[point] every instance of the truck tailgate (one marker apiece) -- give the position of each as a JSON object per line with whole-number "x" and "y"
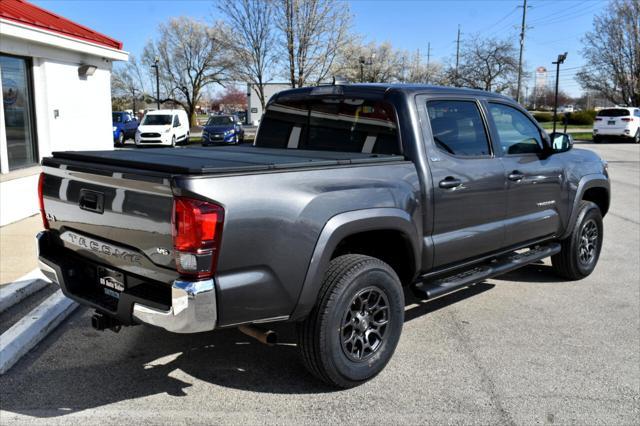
{"x": 119, "y": 220}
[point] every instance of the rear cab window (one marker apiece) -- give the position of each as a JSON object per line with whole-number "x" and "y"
{"x": 331, "y": 124}
{"x": 614, "y": 112}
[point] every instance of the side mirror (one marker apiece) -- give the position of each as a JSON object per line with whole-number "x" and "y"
{"x": 560, "y": 142}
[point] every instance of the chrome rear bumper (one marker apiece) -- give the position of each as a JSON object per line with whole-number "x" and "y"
{"x": 193, "y": 303}
{"x": 193, "y": 308}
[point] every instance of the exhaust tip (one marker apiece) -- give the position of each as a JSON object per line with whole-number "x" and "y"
{"x": 271, "y": 337}
{"x": 268, "y": 337}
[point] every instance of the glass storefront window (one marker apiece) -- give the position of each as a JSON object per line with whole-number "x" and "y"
{"x": 18, "y": 112}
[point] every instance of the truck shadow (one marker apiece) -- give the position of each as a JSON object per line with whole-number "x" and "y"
{"x": 77, "y": 368}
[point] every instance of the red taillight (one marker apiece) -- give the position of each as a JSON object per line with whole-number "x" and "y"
{"x": 627, "y": 119}
{"x": 45, "y": 221}
{"x": 598, "y": 119}
{"x": 197, "y": 228}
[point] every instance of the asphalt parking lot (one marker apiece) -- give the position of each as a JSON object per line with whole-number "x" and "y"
{"x": 522, "y": 349}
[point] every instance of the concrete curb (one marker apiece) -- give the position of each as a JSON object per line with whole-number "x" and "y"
{"x": 31, "y": 329}
{"x": 21, "y": 288}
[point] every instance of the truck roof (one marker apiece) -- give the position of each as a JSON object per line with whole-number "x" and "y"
{"x": 381, "y": 89}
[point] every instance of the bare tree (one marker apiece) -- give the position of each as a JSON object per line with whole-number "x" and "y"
{"x": 488, "y": 64}
{"x": 190, "y": 56}
{"x": 253, "y": 41}
{"x": 128, "y": 80}
{"x": 612, "y": 51}
{"x": 422, "y": 72}
{"x": 312, "y": 32}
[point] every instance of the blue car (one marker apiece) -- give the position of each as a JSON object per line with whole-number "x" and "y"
{"x": 222, "y": 129}
{"x": 124, "y": 127}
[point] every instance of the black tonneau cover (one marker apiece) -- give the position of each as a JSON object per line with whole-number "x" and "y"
{"x": 224, "y": 159}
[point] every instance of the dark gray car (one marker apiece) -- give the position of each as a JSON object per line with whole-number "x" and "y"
{"x": 349, "y": 194}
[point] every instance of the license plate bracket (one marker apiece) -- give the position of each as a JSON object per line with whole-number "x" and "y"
{"x": 113, "y": 282}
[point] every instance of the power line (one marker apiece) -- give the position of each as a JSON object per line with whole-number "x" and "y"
{"x": 564, "y": 13}
{"x": 568, "y": 17}
{"x": 492, "y": 26}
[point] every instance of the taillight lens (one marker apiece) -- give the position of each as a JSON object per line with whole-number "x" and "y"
{"x": 45, "y": 221}
{"x": 598, "y": 119}
{"x": 627, "y": 119}
{"x": 197, "y": 231}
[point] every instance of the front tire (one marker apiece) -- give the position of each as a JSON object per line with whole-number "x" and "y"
{"x": 354, "y": 328}
{"x": 173, "y": 141}
{"x": 636, "y": 138}
{"x": 581, "y": 249}
{"x": 120, "y": 139}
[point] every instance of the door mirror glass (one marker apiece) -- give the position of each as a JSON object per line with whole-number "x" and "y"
{"x": 561, "y": 142}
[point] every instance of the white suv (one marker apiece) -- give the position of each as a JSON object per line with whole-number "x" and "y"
{"x": 163, "y": 127}
{"x": 617, "y": 122}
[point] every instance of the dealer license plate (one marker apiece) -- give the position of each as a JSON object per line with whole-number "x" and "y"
{"x": 112, "y": 281}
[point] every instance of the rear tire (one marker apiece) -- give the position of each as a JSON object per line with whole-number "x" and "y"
{"x": 354, "y": 328}
{"x": 581, "y": 249}
{"x": 597, "y": 139}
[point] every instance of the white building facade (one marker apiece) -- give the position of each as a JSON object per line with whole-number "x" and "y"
{"x": 56, "y": 96}
{"x": 254, "y": 107}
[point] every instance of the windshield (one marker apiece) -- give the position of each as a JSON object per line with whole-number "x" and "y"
{"x": 157, "y": 120}
{"x": 116, "y": 117}
{"x": 219, "y": 120}
{"x": 613, "y": 112}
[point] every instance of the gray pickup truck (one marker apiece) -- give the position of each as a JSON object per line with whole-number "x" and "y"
{"x": 349, "y": 194}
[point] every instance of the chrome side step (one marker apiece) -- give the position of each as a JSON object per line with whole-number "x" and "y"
{"x": 432, "y": 288}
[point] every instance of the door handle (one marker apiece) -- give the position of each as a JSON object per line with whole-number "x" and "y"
{"x": 515, "y": 176}
{"x": 449, "y": 183}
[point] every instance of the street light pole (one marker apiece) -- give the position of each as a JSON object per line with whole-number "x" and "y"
{"x": 155, "y": 65}
{"x": 365, "y": 61}
{"x": 135, "y": 113}
{"x": 561, "y": 59}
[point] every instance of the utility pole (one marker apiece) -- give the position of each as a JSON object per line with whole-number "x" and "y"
{"x": 561, "y": 59}
{"x": 522, "y": 31}
{"x": 428, "y": 62}
{"x": 457, "y": 56}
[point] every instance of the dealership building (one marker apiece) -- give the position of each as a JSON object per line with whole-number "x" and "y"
{"x": 56, "y": 96}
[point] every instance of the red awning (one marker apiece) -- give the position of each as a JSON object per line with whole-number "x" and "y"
{"x": 34, "y": 16}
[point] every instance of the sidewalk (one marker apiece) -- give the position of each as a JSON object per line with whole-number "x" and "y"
{"x": 18, "y": 248}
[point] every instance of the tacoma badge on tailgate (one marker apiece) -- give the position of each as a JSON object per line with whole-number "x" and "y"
{"x": 101, "y": 247}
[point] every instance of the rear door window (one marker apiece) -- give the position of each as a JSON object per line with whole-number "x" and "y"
{"x": 457, "y": 128}
{"x": 330, "y": 124}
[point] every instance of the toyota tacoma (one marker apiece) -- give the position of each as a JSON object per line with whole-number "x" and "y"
{"x": 349, "y": 195}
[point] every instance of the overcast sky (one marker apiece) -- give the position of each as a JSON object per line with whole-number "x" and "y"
{"x": 555, "y": 26}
